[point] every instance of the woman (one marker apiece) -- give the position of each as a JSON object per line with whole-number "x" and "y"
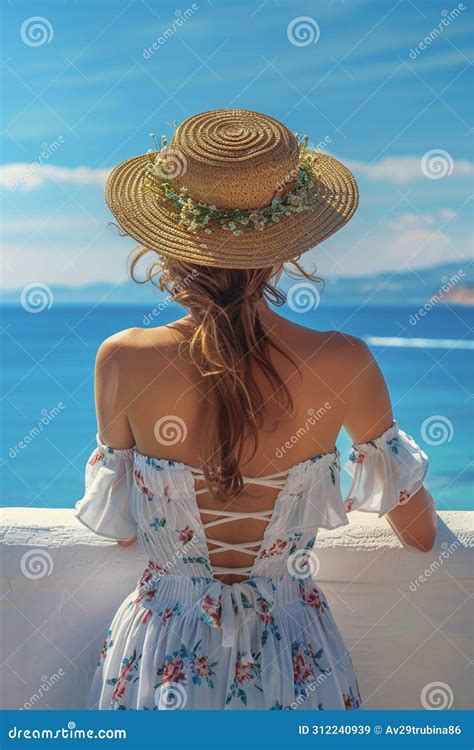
{"x": 217, "y": 433}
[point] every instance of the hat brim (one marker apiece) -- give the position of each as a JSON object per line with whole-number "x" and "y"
{"x": 154, "y": 223}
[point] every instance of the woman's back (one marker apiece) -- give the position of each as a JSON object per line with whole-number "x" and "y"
{"x": 151, "y": 395}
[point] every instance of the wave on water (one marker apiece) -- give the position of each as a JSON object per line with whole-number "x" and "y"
{"x": 398, "y": 341}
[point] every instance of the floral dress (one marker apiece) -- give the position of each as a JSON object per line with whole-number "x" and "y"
{"x": 185, "y": 640}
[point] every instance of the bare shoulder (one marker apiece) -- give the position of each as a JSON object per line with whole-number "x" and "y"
{"x": 347, "y": 351}
{"x": 346, "y": 365}
{"x": 332, "y": 348}
{"x": 128, "y": 347}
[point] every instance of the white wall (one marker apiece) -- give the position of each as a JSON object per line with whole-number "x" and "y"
{"x": 404, "y": 614}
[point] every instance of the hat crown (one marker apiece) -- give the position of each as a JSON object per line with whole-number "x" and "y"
{"x": 235, "y": 158}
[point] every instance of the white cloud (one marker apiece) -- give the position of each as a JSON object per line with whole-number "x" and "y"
{"x": 411, "y": 220}
{"x": 360, "y": 251}
{"x": 30, "y": 176}
{"x": 403, "y": 169}
{"x": 447, "y": 214}
{"x": 49, "y": 224}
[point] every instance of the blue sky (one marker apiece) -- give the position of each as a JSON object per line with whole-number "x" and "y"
{"x": 352, "y": 75}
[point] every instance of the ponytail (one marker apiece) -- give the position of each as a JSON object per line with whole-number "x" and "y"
{"x": 228, "y": 345}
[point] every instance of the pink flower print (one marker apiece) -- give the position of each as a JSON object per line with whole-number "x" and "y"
{"x": 312, "y": 598}
{"x": 349, "y": 703}
{"x": 124, "y": 676}
{"x": 360, "y": 458}
{"x": 212, "y": 609}
{"x": 145, "y": 595}
{"x": 119, "y": 691}
{"x": 95, "y": 458}
{"x": 155, "y": 568}
{"x": 107, "y": 644}
{"x": 138, "y": 477}
{"x": 147, "y": 584}
{"x": 404, "y": 496}
{"x": 146, "y": 617}
{"x": 277, "y": 548}
{"x": 350, "y": 502}
{"x": 244, "y": 671}
{"x": 352, "y": 700}
{"x": 146, "y": 577}
{"x": 263, "y": 611}
{"x": 167, "y": 493}
{"x": 167, "y": 615}
{"x": 185, "y": 535}
{"x": 201, "y": 666}
{"x": 173, "y": 671}
{"x": 302, "y": 672}
{"x": 296, "y": 494}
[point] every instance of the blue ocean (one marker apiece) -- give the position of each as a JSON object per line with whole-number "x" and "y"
{"x": 48, "y": 421}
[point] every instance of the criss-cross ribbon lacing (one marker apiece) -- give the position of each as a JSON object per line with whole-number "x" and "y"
{"x": 278, "y": 481}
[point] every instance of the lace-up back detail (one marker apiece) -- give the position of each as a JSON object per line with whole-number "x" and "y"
{"x": 130, "y": 494}
{"x": 278, "y": 481}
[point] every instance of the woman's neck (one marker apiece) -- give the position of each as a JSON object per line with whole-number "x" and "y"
{"x": 268, "y": 318}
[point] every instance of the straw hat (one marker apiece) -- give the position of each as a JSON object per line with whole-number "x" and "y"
{"x": 234, "y": 189}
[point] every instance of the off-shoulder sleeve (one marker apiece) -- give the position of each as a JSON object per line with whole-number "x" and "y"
{"x": 105, "y": 506}
{"x": 385, "y": 472}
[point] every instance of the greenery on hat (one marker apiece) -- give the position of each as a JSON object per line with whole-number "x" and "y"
{"x": 199, "y": 215}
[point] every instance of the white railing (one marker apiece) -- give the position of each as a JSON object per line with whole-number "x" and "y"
{"x": 404, "y": 614}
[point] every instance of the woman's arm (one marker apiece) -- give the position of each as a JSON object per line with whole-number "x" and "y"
{"x": 415, "y": 522}
{"x": 110, "y": 392}
{"x": 369, "y": 415}
{"x": 110, "y": 399}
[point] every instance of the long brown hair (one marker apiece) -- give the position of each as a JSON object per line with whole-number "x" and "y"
{"x": 227, "y": 344}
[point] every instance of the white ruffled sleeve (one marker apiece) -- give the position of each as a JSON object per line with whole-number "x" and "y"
{"x": 385, "y": 472}
{"x": 105, "y": 506}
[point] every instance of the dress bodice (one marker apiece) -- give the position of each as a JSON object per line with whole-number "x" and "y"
{"x": 130, "y": 494}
